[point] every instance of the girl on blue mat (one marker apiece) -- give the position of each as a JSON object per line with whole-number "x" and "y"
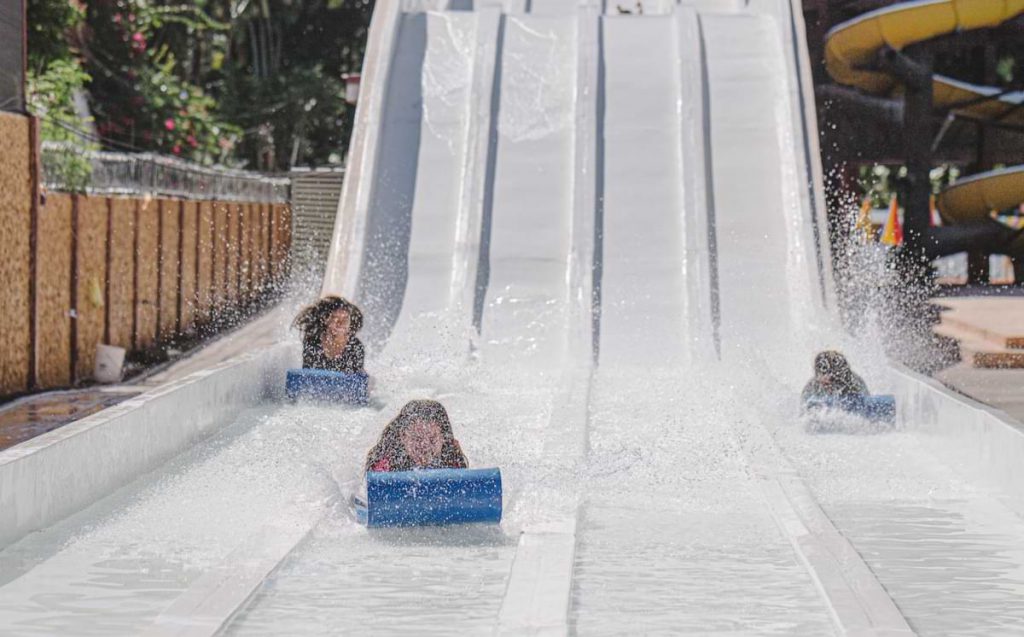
{"x": 833, "y": 378}
{"x": 328, "y": 330}
{"x": 420, "y": 437}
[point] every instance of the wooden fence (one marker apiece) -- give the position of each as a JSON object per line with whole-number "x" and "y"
{"x": 132, "y": 272}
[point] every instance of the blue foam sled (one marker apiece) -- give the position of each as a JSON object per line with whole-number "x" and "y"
{"x": 320, "y": 384}
{"x": 876, "y": 408}
{"x": 431, "y": 497}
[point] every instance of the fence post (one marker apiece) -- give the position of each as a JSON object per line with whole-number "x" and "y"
{"x": 106, "y": 282}
{"x": 73, "y": 377}
{"x": 33, "y": 254}
{"x": 135, "y": 280}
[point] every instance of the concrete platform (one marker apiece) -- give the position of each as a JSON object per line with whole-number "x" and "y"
{"x": 31, "y": 416}
{"x": 988, "y": 330}
{"x": 269, "y": 328}
{"x": 999, "y": 388}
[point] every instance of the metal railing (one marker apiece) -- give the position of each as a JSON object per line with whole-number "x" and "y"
{"x": 70, "y": 169}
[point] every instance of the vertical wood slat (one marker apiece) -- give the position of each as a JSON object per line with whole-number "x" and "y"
{"x": 147, "y": 288}
{"x": 107, "y": 255}
{"x": 73, "y": 291}
{"x": 135, "y": 274}
{"x": 272, "y": 242}
{"x": 170, "y": 213}
{"x": 264, "y": 247}
{"x": 33, "y": 249}
{"x": 232, "y": 257}
{"x": 220, "y": 251}
{"x": 205, "y": 263}
{"x": 286, "y": 242}
{"x": 121, "y": 266}
{"x": 187, "y": 237}
{"x": 15, "y": 253}
{"x": 281, "y": 242}
{"x": 245, "y": 261}
{"x": 268, "y": 247}
{"x": 91, "y": 265}
{"x": 254, "y": 249}
{"x": 53, "y": 293}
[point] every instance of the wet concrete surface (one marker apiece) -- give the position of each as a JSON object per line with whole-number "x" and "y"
{"x": 36, "y": 415}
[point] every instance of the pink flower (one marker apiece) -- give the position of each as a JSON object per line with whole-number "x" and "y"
{"x": 191, "y": 139}
{"x": 176, "y": 150}
{"x": 138, "y": 37}
{"x": 169, "y": 124}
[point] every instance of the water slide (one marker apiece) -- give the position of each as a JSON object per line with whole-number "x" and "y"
{"x": 598, "y": 238}
{"x": 852, "y": 51}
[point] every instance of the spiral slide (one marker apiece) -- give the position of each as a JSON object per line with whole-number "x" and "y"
{"x": 598, "y": 239}
{"x": 851, "y": 54}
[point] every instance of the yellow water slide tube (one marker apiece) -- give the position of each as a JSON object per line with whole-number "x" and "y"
{"x": 973, "y": 198}
{"x": 851, "y": 54}
{"x": 851, "y": 51}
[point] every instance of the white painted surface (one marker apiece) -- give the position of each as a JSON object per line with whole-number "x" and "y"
{"x": 204, "y": 608}
{"x": 982, "y": 443}
{"x": 523, "y": 318}
{"x": 538, "y": 595}
{"x": 56, "y": 474}
{"x": 643, "y": 311}
{"x": 663, "y": 491}
{"x": 437, "y": 117}
{"x": 763, "y": 255}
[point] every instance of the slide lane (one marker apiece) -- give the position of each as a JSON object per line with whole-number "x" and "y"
{"x": 674, "y": 534}
{"x": 502, "y": 400}
{"x": 118, "y": 565}
{"x": 766, "y": 276}
{"x": 898, "y": 506}
{"x": 524, "y": 311}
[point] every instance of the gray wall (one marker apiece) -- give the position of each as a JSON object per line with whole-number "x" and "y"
{"x": 12, "y": 66}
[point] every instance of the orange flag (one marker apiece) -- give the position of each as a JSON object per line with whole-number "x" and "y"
{"x": 863, "y": 225}
{"x": 892, "y": 235}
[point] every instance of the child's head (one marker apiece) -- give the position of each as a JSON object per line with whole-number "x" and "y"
{"x": 331, "y": 321}
{"x": 830, "y": 365}
{"x": 419, "y": 437}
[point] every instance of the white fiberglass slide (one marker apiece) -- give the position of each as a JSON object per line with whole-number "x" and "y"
{"x": 596, "y": 239}
{"x": 669, "y": 540}
{"x": 501, "y": 398}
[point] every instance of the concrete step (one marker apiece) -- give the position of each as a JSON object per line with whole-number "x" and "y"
{"x": 980, "y": 352}
{"x": 997, "y": 320}
{"x": 994, "y": 335}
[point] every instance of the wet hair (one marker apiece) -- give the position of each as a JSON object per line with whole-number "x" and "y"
{"x": 390, "y": 444}
{"x": 312, "y": 320}
{"x": 833, "y": 364}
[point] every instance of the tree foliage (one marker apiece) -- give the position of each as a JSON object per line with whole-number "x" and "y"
{"x": 255, "y": 83}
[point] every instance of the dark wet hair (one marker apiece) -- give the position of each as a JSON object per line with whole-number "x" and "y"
{"x": 831, "y": 363}
{"x": 390, "y": 443}
{"x": 312, "y": 320}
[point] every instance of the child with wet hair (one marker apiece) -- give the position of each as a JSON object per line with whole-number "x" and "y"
{"x": 833, "y": 377}
{"x": 420, "y": 437}
{"x": 328, "y": 330}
